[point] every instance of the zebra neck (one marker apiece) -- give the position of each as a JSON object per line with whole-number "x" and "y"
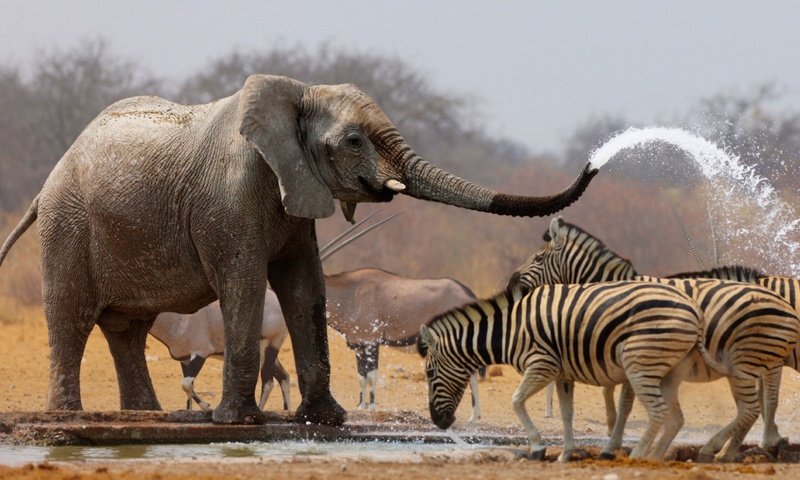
{"x": 477, "y": 333}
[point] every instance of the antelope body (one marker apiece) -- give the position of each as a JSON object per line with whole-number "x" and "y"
{"x": 373, "y": 307}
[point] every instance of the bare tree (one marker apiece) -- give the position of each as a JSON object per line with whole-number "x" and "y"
{"x": 15, "y": 120}
{"x": 41, "y": 117}
{"x": 73, "y": 86}
{"x": 748, "y": 125}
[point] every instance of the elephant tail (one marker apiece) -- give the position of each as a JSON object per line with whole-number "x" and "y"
{"x": 27, "y": 221}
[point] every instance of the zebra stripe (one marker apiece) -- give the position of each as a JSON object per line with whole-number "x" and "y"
{"x": 599, "y": 334}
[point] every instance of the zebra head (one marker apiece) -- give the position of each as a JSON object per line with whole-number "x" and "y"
{"x": 571, "y": 255}
{"x": 447, "y": 378}
{"x": 544, "y": 266}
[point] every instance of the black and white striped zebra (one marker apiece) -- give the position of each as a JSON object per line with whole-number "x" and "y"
{"x": 600, "y": 334}
{"x": 789, "y": 289}
{"x": 759, "y": 329}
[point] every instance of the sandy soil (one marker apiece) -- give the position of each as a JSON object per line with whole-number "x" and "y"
{"x": 707, "y": 407}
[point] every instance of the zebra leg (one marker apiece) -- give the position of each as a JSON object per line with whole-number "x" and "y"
{"x": 190, "y": 372}
{"x": 533, "y": 380}
{"x": 476, "y": 404}
{"x": 566, "y": 391}
{"x": 769, "y": 386}
{"x": 745, "y": 392}
{"x": 548, "y": 401}
{"x": 675, "y": 418}
{"x": 648, "y": 390}
{"x": 269, "y": 357}
{"x": 626, "y": 396}
{"x": 611, "y": 411}
{"x": 282, "y": 376}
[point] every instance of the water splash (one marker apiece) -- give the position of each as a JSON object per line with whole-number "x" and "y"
{"x": 757, "y": 227}
{"x": 455, "y": 438}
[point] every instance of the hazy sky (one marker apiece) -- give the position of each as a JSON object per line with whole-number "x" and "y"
{"x": 538, "y": 68}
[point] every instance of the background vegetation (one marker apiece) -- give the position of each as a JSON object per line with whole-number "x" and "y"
{"x": 640, "y": 208}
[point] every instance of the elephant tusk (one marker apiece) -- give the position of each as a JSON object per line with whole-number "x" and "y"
{"x": 394, "y": 185}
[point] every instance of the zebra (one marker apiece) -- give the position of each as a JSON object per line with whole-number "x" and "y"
{"x": 787, "y": 288}
{"x": 550, "y": 265}
{"x": 599, "y": 334}
{"x": 574, "y": 256}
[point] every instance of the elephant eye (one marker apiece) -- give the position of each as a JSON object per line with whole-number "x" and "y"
{"x": 354, "y": 141}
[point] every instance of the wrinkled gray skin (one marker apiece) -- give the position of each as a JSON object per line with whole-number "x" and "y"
{"x": 192, "y": 338}
{"x": 372, "y": 307}
{"x": 161, "y": 207}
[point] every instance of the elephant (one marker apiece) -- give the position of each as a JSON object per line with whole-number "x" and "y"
{"x": 161, "y": 207}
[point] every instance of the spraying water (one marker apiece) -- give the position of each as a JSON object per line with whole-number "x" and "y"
{"x": 757, "y": 227}
{"x": 455, "y": 438}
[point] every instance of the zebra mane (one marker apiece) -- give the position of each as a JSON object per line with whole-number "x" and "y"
{"x": 594, "y": 243}
{"x": 727, "y": 272}
{"x": 511, "y": 294}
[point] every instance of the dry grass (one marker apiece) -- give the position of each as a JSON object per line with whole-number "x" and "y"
{"x": 21, "y": 272}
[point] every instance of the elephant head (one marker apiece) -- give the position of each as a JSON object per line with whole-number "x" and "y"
{"x": 333, "y": 141}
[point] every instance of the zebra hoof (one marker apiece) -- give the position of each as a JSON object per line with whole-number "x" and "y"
{"x": 537, "y": 455}
{"x": 607, "y": 456}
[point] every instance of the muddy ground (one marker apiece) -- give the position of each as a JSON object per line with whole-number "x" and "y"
{"x": 707, "y": 407}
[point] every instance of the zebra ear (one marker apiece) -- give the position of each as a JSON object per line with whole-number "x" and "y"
{"x": 427, "y": 340}
{"x": 555, "y": 234}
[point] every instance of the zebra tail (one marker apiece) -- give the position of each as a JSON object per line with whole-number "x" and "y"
{"x": 712, "y": 362}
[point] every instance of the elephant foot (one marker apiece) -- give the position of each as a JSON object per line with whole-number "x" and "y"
{"x": 321, "y": 411}
{"x": 239, "y": 412}
{"x": 140, "y": 402}
{"x": 68, "y": 403}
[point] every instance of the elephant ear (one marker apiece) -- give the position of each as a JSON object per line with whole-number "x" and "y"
{"x": 269, "y": 109}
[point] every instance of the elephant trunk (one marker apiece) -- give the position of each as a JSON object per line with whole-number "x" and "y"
{"x": 428, "y": 182}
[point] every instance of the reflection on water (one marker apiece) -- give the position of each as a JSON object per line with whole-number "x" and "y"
{"x": 20, "y": 455}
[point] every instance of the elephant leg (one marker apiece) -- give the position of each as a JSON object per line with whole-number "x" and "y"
{"x": 126, "y": 340}
{"x": 68, "y": 329}
{"x": 241, "y": 299}
{"x": 299, "y": 285}
{"x": 267, "y": 372}
{"x": 190, "y": 371}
